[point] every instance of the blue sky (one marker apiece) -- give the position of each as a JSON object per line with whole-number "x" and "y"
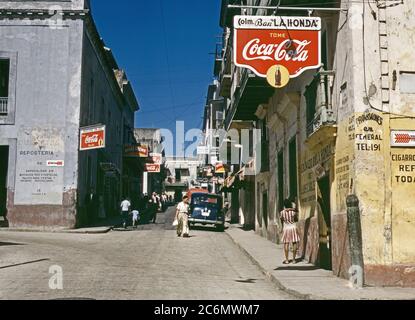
{"x": 164, "y": 46}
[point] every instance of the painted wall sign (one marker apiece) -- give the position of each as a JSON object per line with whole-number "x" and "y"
{"x": 277, "y": 48}
{"x": 92, "y": 138}
{"x": 403, "y": 139}
{"x": 153, "y": 168}
{"x": 37, "y": 183}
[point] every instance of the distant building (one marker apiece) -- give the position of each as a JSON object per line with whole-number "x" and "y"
{"x": 152, "y": 140}
{"x": 182, "y": 174}
{"x": 57, "y": 76}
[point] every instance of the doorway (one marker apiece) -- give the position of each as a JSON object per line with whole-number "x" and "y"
{"x": 265, "y": 209}
{"x": 4, "y": 161}
{"x": 325, "y": 257}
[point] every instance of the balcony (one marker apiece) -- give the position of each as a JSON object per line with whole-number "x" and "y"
{"x": 321, "y": 118}
{"x": 251, "y": 91}
{"x": 218, "y": 59}
{"x": 225, "y": 76}
{"x": 4, "y": 106}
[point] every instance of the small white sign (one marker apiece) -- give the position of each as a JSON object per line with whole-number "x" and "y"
{"x": 203, "y": 150}
{"x": 55, "y": 163}
{"x": 403, "y": 139}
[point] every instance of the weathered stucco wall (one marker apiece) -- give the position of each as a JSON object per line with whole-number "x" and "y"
{"x": 46, "y": 121}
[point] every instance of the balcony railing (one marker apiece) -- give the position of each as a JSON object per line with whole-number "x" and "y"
{"x": 324, "y": 117}
{"x": 319, "y": 101}
{"x": 4, "y": 106}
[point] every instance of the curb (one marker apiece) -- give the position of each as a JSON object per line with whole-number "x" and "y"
{"x": 74, "y": 231}
{"x": 272, "y": 278}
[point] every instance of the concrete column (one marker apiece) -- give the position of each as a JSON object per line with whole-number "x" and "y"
{"x": 355, "y": 239}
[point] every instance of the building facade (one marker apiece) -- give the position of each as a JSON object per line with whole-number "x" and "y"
{"x": 181, "y": 175}
{"x": 152, "y": 140}
{"x": 58, "y": 76}
{"x": 330, "y": 134}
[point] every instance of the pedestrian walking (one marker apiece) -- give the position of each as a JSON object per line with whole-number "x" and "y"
{"x": 182, "y": 216}
{"x": 153, "y": 208}
{"x": 136, "y": 218}
{"x": 125, "y": 211}
{"x": 291, "y": 236}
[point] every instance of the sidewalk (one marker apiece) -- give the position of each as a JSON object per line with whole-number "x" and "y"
{"x": 93, "y": 230}
{"x": 304, "y": 280}
{"x": 104, "y": 226}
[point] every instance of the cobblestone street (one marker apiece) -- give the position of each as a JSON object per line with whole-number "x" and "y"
{"x": 150, "y": 263}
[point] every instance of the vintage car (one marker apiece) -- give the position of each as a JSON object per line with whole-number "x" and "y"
{"x": 207, "y": 209}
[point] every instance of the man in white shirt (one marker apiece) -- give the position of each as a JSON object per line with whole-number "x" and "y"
{"x": 125, "y": 210}
{"x": 182, "y": 216}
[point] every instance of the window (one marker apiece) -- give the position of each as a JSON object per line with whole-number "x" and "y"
{"x": 8, "y": 78}
{"x": 264, "y": 146}
{"x": 178, "y": 175}
{"x": 251, "y": 143}
{"x": 311, "y": 100}
{"x": 324, "y": 58}
{"x": 4, "y": 85}
{"x": 407, "y": 82}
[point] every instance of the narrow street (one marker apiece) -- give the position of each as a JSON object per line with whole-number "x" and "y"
{"x": 150, "y": 263}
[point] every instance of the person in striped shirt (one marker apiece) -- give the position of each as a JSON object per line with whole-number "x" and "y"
{"x": 289, "y": 218}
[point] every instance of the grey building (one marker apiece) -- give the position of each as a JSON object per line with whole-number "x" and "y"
{"x": 56, "y": 76}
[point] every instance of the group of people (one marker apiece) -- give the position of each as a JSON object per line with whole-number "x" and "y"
{"x": 289, "y": 217}
{"x": 146, "y": 205}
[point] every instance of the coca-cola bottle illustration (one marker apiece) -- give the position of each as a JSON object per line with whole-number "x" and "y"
{"x": 278, "y": 77}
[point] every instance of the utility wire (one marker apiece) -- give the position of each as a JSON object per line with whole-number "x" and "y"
{"x": 167, "y": 56}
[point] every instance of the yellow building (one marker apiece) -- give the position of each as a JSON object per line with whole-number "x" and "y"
{"x": 331, "y": 133}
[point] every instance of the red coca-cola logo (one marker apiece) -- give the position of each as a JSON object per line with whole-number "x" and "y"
{"x": 261, "y": 48}
{"x": 91, "y": 139}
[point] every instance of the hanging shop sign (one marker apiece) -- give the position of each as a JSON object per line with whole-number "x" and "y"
{"x": 92, "y": 138}
{"x": 403, "y": 139}
{"x": 156, "y": 158}
{"x": 277, "y": 48}
{"x": 220, "y": 168}
{"x": 153, "y": 168}
{"x": 136, "y": 151}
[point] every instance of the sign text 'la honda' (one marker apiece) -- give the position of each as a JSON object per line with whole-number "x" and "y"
{"x": 277, "y": 48}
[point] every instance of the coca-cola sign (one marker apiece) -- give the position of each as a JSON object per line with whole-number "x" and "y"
{"x": 153, "y": 168}
{"x": 277, "y": 48}
{"x": 136, "y": 151}
{"x": 92, "y": 138}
